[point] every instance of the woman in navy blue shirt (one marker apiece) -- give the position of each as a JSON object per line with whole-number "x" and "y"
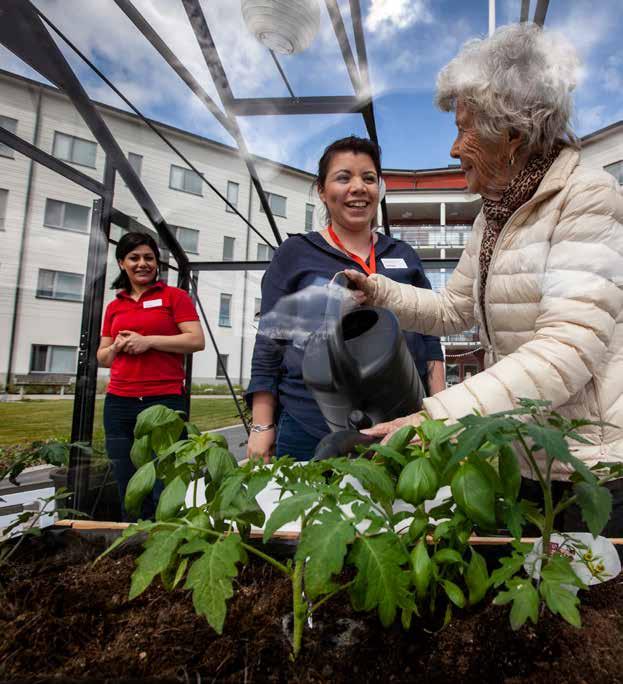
{"x": 348, "y": 182}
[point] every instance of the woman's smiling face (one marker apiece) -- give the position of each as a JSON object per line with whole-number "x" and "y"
{"x": 141, "y": 266}
{"x": 351, "y": 191}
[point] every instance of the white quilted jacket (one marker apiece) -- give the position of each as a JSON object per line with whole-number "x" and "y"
{"x": 553, "y": 306}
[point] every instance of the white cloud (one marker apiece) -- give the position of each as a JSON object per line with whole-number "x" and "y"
{"x": 612, "y": 75}
{"x": 390, "y": 16}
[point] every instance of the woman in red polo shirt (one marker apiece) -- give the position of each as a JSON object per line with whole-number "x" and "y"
{"x": 147, "y": 329}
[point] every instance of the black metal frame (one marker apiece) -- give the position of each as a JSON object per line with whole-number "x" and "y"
{"x": 23, "y": 32}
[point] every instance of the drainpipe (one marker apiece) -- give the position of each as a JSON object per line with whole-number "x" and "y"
{"x": 244, "y": 287}
{"x": 17, "y": 297}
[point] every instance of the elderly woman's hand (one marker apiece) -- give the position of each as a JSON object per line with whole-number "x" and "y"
{"x": 360, "y": 280}
{"x": 386, "y": 430}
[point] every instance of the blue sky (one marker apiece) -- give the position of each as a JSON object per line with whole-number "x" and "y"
{"x": 408, "y": 41}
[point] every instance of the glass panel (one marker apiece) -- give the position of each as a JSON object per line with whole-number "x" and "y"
{"x": 453, "y": 375}
{"x": 232, "y": 194}
{"x": 264, "y": 252}
{"x": 53, "y": 213}
{"x": 4, "y": 195}
{"x": 469, "y": 369}
{"x": 68, "y": 286}
{"x": 38, "y": 358}
{"x": 309, "y": 217}
{"x": 62, "y": 146}
{"x": 192, "y": 182}
{"x": 84, "y": 152}
{"x": 258, "y": 307}
{"x": 176, "y": 178}
{"x": 224, "y": 315}
{"x": 45, "y": 283}
{"x": 221, "y": 365}
{"x": 136, "y": 162}
{"x": 76, "y": 218}
{"x": 62, "y": 360}
{"x": 188, "y": 238}
{"x": 616, "y": 170}
{"x": 278, "y": 205}
{"x": 10, "y": 125}
{"x": 228, "y": 248}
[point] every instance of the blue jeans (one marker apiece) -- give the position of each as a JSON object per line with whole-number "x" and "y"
{"x": 120, "y": 415}
{"x": 293, "y": 441}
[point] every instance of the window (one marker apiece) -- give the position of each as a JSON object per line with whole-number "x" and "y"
{"x": 188, "y": 238}
{"x": 136, "y": 162}
{"x": 228, "y": 248}
{"x": 224, "y": 312}
{"x": 309, "y": 217}
{"x": 616, "y": 170}
{"x": 185, "y": 180}
{"x": 221, "y": 365}
{"x": 66, "y": 216}
{"x": 4, "y": 196}
{"x": 257, "y": 308}
{"x": 277, "y": 204}
{"x": 264, "y": 252}
{"x": 10, "y": 125}
{"x": 232, "y": 195}
{"x": 59, "y": 285}
{"x": 76, "y": 150}
{"x": 45, "y": 358}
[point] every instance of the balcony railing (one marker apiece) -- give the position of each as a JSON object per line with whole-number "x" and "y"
{"x": 433, "y": 235}
{"x": 469, "y": 338}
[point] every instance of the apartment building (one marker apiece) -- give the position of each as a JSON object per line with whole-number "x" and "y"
{"x": 45, "y": 222}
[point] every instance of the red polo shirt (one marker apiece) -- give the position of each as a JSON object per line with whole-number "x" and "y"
{"x": 157, "y": 312}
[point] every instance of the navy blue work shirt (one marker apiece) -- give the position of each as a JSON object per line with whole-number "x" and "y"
{"x": 308, "y": 259}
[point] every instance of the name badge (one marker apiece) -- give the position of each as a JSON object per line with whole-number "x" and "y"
{"x": 393, "y": 263}
{"x": 152, "y": 303}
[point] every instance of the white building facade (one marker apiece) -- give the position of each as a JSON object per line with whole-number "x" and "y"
{"x": 45, "y": 224}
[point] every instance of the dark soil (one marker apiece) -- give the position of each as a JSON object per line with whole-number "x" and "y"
{"x": 64, "y": 620}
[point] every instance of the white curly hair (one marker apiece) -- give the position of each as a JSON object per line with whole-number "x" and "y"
{"x": 520, "y": 78}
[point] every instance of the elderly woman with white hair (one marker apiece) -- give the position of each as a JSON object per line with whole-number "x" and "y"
{"x": 542, "y": 274}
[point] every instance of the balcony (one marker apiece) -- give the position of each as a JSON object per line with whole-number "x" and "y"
{"x": 466, "y": 339}
{"x": 433, "y": 236}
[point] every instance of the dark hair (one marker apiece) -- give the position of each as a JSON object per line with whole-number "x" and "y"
{"x": 129, "y": 242}
{"x": 350, "y": 144}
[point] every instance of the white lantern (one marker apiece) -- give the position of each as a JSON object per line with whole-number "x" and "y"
{"x": 285, "y": 26}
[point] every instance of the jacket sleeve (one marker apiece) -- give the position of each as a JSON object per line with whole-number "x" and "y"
{"x": 581, "y": 300}
{"x": 267, "y": 353}
{"x": 432, "y": 313}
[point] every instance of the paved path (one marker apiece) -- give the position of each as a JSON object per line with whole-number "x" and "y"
{"x": 235, "y": 436}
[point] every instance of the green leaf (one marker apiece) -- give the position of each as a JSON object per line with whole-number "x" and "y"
{"x": 447, "y": 557}
{"x": 418, "y": 526}
{"x": 510, "y": 566}
{"x": 324, "y": 544}
{"x": 129, "y": 531}
{"x": 171, "y": 499}
{"x": 596, "y": 505}
{"x": 218, "y": 439}
{"x": 181, "y": 570}
{"x": 159, "y": 550}
{"x": 371, "y": 475}
{"x": 210, "y": 578}
{"x": 454, "y": 593}
{"x": 257, "y": 482}
{"x": 380, "y": 581}
{"x": 561, "y": 601}
{"x": 390, "y": 454}
{"x": 220, "y": 463}
{"x": 418, "y": 482}
{"x": 510, "y": 474}
{"x": 290, "y": 509}
{"x": 228, "y": 490}
{"x": 476, "y": 578}
{"x": 156, "y": 416}
{"x": 192, "y": 429}
{"x": 54, "y": 453}
{"x": 552, "y": 441}
{"x": 141, "y": 452}
{"x": 474, "y": 494}
{"x": 422, "y": 568}
{"x": 558, "y": 570}
{"x": 139, "y": 486}
{"x": 525, "y": 602}
{"x": 399, "y": 440}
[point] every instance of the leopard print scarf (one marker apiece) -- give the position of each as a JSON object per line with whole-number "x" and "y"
{"x": 497, "y": 212}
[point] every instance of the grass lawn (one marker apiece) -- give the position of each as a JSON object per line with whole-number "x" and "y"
{"x": 22, "y": 422}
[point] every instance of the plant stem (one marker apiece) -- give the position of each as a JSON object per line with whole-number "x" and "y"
{"x": 298, "y": 607}
{"x": 324, "y": 599}
{"x": 195, "y": 493}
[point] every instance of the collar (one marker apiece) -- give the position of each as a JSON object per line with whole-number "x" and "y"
{"x": 158, "y": 285}
{"x": 383, "y": 243}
